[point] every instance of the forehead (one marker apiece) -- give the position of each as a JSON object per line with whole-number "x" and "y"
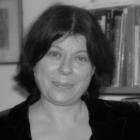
{"x": 72, "y": 42}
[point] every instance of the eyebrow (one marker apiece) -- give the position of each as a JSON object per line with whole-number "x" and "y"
{"x": 82, "y": 51}
{"x": 57, "y": 47}
{"x": 79, "y": 51}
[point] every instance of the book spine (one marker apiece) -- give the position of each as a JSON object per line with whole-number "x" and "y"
{"x": 109, "y": 23}
{"x": 130, "y": 46}
{"x": 123, "y": 47}
{"x": 116, "y": 45}
{"x": 136, "y": 48}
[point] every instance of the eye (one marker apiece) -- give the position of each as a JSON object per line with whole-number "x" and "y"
{"x": 54, "y": 54}
{"x": 82, "y": 58}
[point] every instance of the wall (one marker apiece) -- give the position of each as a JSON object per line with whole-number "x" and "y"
{"x": 9, "y": 96}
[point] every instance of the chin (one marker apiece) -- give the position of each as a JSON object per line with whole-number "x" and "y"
{"x": 63, "y": 97}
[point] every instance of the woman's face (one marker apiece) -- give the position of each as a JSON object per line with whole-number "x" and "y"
{"x": 64, "y": 73}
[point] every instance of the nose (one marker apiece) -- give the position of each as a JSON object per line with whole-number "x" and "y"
{"x": 66, "y": 66}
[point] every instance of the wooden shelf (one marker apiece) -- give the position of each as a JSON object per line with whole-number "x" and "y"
{"x": 120, "y": 91}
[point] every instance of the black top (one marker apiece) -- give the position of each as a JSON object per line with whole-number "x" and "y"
{"x": 109, "y": 120}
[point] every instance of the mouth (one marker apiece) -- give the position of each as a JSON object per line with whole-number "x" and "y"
{"x": 63, "y": 85}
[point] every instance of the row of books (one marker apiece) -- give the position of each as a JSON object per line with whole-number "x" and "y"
{"x": 121, "y": 25}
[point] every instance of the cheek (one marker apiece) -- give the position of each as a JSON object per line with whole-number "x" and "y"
{"x": 48, "y": 69}
{"x": 83, "y": 80}
{"x": 44, "y": 73}
{"x": 51, "y": 67}
{"x": 84, "y": 74}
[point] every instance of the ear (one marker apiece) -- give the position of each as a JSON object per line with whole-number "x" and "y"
{"x": 93, "y": 71}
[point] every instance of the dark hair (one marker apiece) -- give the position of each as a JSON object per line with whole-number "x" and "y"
{"x": 54, "y": 23}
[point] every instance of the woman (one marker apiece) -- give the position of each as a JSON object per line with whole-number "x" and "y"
{"x": 64, "y": 61}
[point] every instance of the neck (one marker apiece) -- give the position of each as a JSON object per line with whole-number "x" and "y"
{"x": 63, "y": 114}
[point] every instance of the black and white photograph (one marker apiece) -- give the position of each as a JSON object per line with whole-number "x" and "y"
{"x": 10, "y": 31}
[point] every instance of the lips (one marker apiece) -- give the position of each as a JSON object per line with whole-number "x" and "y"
{"x": 62, "y": 85}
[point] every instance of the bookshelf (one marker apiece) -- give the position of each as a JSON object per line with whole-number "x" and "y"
{"x": 120, "y": 21}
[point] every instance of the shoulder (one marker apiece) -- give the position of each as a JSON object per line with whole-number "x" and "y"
{"x": 114, "y": 118}
{"x": 116, "y": 108}
{"x": 9, "y": 115}
{"x": 11, "y": 119}
{"x": 121, "y": 115}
